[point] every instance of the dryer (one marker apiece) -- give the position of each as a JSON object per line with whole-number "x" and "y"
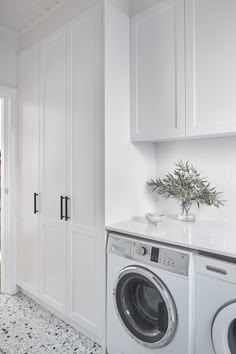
{"x": 149, "y": 297}
{"x": 215, "y": 305}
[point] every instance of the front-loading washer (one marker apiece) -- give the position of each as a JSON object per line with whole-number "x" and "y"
{"x": 149, "y": 297}
{"x": 215, "y": 305}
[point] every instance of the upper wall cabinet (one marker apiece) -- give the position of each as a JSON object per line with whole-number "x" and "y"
{"x": 165, "y": 85}
{"x": 158, "y": 73}
{"x": 211, "y": 69}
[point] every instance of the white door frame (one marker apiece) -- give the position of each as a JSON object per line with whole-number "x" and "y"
{"x": 9, "y": 190}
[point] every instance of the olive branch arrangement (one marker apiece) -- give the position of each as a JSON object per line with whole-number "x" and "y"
{"x": 187, "y": 186}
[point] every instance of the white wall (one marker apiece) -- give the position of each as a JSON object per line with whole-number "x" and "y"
{"x": 8, "y": 49}
{"x": 127, "y": 166}
{"x": 216, "y": 158}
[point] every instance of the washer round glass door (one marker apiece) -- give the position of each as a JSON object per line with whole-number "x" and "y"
{"x": 224, "y": 330}
{"x": 145, "y": 307}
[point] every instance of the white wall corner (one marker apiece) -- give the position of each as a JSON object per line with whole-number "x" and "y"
{"x": 128, "y": 166}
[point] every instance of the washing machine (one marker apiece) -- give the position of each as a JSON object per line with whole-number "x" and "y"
{"x": 149, "y": 297}
{"x": 215, "y": 301}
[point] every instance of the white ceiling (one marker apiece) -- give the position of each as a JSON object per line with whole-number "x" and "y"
{"x": 137, "y": 6}
{"x": 133, "y": 7}
{"x": 17, "y": 15}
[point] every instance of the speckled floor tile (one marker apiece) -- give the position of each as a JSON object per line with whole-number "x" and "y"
{"x": 27, "y": 328}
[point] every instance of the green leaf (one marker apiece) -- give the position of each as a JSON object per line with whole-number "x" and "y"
{"x": 187, "y": 185}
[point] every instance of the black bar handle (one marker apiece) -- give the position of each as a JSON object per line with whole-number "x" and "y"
{"x": 66, "y": 208}
{"x": 35, "y": 203}
{"x": 61, "y": 207}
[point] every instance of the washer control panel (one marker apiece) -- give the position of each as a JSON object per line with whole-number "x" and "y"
{"x": 153, "y": 254}
{"x": 162, "y": 257}
{"x": 120, "y": 246}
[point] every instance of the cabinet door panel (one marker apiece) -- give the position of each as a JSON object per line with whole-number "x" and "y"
{"x": 84, "y": 182}
{"x": 28, "y": 277}
{"x": 54, "y": 122}
{"x": 157, "y": 73}
{"x": 53, "y": 169}
{"x": 211, "y": 70}
{"x": 53, "y": 275}
{"x": 83, "y": 252}
{"x": 29, "y": 256}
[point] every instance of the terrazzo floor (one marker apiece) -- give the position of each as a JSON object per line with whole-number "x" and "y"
{"x": 26, "y": 327}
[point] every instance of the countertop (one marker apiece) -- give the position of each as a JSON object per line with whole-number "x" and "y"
{"x": 214, "y": 236}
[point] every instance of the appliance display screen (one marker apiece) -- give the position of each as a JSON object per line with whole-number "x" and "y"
{"x": 155, "y": 254}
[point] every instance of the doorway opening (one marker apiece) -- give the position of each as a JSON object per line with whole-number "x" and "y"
{"x": 8, "y": 189}
{"x": 2, "y": 170}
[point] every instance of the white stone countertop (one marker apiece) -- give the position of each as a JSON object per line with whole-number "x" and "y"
{"x": 214, "y": 236}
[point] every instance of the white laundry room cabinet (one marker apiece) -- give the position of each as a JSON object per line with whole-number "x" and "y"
{"x": 85, "y": 226}
{"x": 61, "y": 159}
{"x": 210, "y": 67}
{"x": 157, "y": 72}
{"x": 183, "y": 70}
{"x": 53, "y": 169}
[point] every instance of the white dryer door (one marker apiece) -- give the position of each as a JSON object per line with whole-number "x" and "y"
{"x": 224, "y": 330}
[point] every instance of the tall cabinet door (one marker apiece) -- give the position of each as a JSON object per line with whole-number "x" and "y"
{"x": 84, "y": 182}
{"x": 210, "y": 67}
{"x": 158, "y": 73}
{"x": 28, "y": 277}
{"x": 53, "y": 170}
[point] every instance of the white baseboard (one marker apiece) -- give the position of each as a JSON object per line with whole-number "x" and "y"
{"x": 63, "y": 318}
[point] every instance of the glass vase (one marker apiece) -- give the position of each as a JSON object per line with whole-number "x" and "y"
{"x": 186, "y": 216}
